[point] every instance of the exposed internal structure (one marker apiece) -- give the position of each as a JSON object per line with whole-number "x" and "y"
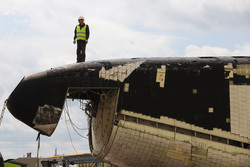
{"x": 101, "y": 111}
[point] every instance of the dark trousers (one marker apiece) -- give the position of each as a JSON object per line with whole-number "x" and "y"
{"x": 80, "y": 52}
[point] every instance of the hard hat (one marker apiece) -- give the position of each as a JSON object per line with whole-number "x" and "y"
{"x": 81, "y": 17}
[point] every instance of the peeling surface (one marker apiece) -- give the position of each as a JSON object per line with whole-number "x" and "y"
{"x": 243, "y": 69}
{"x": 210, "y": 110}
{"x": 229, "y": 68}
{"x": 160, "y": 77}
{"x": 206, "y": 66}
{"x": 47, "y": 118}
{"x": 240, "y": 109}
{"x": 239, "y": 98}
{"x": 119, "y": 73}
{"x": 126, "y": 87}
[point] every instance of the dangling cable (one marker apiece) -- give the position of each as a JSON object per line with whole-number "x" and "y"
{"x": 85, "y": 107}
{"x": 66, "y": 109}
{"x": 3, "y": 110}
{"x": 72, "y": 123}
{"x": 38, "y": 148}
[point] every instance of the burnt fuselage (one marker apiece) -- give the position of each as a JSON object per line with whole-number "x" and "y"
{"x": 191, "y": 90}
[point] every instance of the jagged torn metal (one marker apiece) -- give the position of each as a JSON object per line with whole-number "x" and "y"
{"x": 47, "y": 118}
{"x": 119, "y": 73}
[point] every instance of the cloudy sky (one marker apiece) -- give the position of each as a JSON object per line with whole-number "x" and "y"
{"x": 38, "y": 35}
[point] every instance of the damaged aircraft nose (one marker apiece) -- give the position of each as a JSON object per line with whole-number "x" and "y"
{"x": 37, "y": 101}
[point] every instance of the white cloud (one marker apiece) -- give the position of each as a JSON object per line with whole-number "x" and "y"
{"x": 195, "y": 51}
{"x": 115, "y": 41}
{"x": 242, "y": 50}
{"x": 181, "y": 14}
{"x": 156, "y": 14}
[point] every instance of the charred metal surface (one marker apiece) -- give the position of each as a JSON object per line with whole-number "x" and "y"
{"x": 181, "y": 101}
{"x": 181, "y": 88}
{"x": 176, "y": 98}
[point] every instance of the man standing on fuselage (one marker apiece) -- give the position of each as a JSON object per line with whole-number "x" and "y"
{"x": 81, "y": 37}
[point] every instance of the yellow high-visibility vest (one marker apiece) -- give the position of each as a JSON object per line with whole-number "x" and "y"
{"x": 81, "y": 33}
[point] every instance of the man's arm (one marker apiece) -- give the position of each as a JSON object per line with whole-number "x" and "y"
{"x": 75, "y": 34}
{"x": 87, "y": 32}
